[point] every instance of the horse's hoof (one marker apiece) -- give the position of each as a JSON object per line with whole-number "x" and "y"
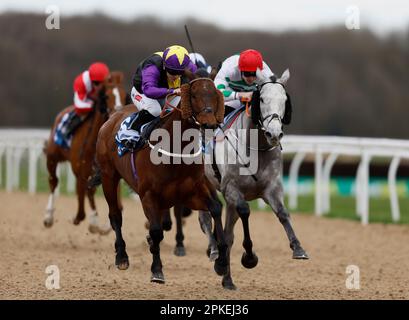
{"x": 219, "y": 268}
{"x": 48, "y": 222}
{"x": 228, "y": 285}
{"x": 123, "y": 265}
{"x": 93, "y": 228}
{"x": 104, "y": 230}
{"x": 158, "y": 277}
{"x": 214, "y": 254}
{"x": 179, "y": 251}
{"x": 249, "y": 261}
{"x": 77, "y": 220}
{"x": 300, "y": 254}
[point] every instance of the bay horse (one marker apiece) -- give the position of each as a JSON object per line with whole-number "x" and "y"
{"x": 82, "y": 150}
{"x": 181, "y": 212}
{"x": 161, "y": 186}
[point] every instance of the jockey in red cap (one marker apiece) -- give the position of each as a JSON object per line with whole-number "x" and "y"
{"x": 86, "y": 88}
{"x": 237, "y": 77}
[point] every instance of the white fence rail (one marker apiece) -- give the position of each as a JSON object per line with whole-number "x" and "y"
{"x": 326, "y": 150}
{"x": 14, "y": 144}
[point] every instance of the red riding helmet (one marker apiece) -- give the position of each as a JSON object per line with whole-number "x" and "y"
{"x": 250, "y": 60}
{"x": 98, "y": 71}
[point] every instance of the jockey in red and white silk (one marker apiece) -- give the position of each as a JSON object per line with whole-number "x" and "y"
{"x": 86, "y": 87}
{"x": 237, "y": 77}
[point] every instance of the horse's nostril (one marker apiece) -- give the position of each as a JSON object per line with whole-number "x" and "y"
{"x": 280, "y": 135}
{"x": 268, "y": 135}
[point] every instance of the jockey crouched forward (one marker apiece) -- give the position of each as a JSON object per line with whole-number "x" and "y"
{"x": 87, "y": 86}
{"x": 203, "y": 68}
{"x": 237, "y": 78}
{"x": 157, "y": 76}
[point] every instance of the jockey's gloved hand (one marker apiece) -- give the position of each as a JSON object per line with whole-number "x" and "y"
{"x": 94, "y": 96}
{"x": 245, "y": 96}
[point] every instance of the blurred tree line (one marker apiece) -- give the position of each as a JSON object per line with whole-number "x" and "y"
{"x": 343, "y": 82}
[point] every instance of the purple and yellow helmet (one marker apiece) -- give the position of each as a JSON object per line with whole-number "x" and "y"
{"x": 175, "y": 58}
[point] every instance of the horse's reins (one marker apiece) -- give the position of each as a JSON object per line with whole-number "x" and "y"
{"x": 261, "y": 127}
{"x": 273, "y": 115}
{"x": 87, "y": 136}
{"x": 163, "y": 115}
{"x": 261, "y": 120}
{"x": 246, "y": 165}
{"x": 91, "y": 126}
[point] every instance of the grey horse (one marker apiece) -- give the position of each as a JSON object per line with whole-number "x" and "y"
{"x": 259, "y": 177}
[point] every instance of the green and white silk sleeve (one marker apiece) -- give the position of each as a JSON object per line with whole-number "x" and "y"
{"x": 222, "y": 84}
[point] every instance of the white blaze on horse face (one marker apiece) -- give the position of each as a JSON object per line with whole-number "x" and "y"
{"x": 118, "y": 103}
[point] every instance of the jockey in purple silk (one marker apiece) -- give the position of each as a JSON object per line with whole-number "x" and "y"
{"x": 157, "y": 76}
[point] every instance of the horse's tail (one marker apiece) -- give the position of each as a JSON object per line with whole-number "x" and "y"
{"x": 95, "y": 180}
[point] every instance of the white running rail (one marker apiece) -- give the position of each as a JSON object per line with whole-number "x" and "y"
{"x": 326, "y": 151}
{"x": 14, "y": 143}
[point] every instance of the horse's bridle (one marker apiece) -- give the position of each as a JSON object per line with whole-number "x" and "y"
{"x": 273, "y": 115}
{"x": 260, "y": 124}
{"x": 205, "y": 109}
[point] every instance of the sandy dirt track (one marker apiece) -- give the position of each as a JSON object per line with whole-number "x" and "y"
{"x": 87, "y": 271}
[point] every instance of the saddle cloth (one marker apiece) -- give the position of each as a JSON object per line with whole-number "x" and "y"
{"x": 60, "y": 138}
{"x": 125, "y": 133}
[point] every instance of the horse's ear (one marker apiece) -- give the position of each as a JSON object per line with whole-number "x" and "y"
{"x": 288, "y": 110}
{"x": 284, "y": 77}
{"x": 117, "y": 77}
{"x": 185, "y": 104}
{"x": 220, "y": 107}
{"x": 213, "y": 73}
{"x": 190, "y": 75}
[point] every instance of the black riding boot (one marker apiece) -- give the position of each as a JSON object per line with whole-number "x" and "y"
{"x": 73, "y": 124}
{"x": 143, "y": 117}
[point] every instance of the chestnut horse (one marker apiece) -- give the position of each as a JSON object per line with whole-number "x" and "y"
{"x": 161, "y": 186}
{"x": 81, "y": 154}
